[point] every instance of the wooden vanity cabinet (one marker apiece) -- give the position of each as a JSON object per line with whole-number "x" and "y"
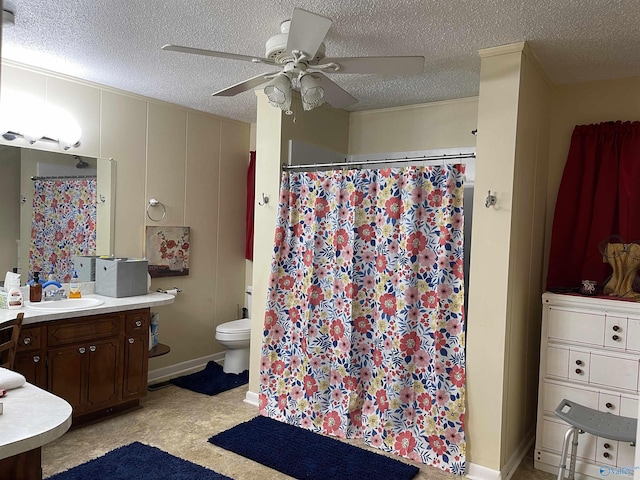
{"x": 98, "y": 363}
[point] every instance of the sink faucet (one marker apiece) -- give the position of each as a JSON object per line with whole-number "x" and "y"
{"x": 56, "y": 293}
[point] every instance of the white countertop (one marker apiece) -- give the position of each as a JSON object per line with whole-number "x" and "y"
{"x": 110, "y": 305}
{"x": 31, "y": 417}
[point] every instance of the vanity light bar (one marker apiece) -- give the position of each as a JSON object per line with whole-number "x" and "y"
{"x": 13, "y": 135}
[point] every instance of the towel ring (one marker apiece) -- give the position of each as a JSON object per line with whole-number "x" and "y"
{"x": 154, "y": 203}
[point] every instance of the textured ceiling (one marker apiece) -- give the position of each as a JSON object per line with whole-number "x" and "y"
{"x": 117, "y": 43}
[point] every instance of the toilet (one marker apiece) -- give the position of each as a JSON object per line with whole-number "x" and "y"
{"x": 235, "y": 336}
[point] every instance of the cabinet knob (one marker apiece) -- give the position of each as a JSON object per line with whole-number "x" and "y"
{"x": 131, "y": 340}
{"x": 36, "y": 358}
{"x": 578, "y": 371}
{"x": 609, "y": 405}
{"x": 616, "y": 328}
{"x": 27, "y": 340}
{"x": 82, "y": 350}
{"x": 579, "y": 362}
{"x": 616, "y": 337}
{"x": 607, "y": 446}
{"x": 138, "y": 323}
{"x": 606, "y": 455}
{"x": 92, "y": 348}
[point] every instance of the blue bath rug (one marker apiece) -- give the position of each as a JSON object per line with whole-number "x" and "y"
{"x": 141, "y": 462}
{"x": 306, "y": 455}
{"x": 212, "y": 380}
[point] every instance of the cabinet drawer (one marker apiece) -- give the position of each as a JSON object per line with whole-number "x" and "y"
{"x": 628, "y": 406}
{"x": 83, "y": 330}
{"x": 30, "y": 339}
{"x": 553, "y": 434}
{"x": 576, "y": 326}
{"x": 615, "y": 334}
{"x": 606, "y": 451}
{"x": 633, "y": 334}
{"x": 579, "y": 365}
{"x": 609, "y": 403}
{"x": 557, "y": 361}
{"x": 137, "y": 322}
{"x": 614, "y": 372}
{"x": 555, "y": 393}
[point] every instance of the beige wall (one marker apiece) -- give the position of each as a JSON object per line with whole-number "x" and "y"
{"x": 427, "y": 126}
{"x": 10, "y": 208}
{"x": 195, "y": 164}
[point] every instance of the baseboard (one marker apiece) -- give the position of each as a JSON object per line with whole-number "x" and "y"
{"x": 478, "y": 472}
{"x": 251, "y": 398}
{"x": 514, "y": 462}
{"x": 183, "y": 368}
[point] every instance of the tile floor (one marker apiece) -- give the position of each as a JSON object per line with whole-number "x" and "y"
{"x": 180, "y": 421}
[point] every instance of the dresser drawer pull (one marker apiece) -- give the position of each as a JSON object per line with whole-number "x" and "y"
{"x": 138, "y": 323}
{"x": 616, "y": 328}
{"x": 36, "y": 359}
{"x": 82, "y": 350}
{"x": 579, "y": 362}
{"x": 609, "y": 405}
{"x": 606, "y": 455}
{"x": 578, "y": 371}
{"x": 131, "y": 340}
{"x": 92, "y": 348}
{"x": 607, "y": 446}
{"x": 616, "y": 338}
{"x": 27, "y": 340}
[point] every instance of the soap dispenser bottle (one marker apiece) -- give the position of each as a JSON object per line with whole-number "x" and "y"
{"x": 74, "y": 286}
{"x": 35, "y": 288}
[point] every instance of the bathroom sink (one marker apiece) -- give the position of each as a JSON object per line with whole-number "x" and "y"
{"x": 66, "y": 304}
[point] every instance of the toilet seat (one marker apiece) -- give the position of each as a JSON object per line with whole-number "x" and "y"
{"x": 236, "y": 329}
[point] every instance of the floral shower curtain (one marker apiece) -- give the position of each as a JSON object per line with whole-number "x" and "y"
{"x": 364, "y": 328}
{"x": 63, "y": 225}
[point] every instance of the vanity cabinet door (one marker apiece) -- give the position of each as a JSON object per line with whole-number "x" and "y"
{"x": 66, "y": 374}
{"x": 87, "y": 375}
{"x": 136, "y": 364}
{"x": 103, "y": 374}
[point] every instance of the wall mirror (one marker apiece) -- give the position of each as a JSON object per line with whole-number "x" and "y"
{"x": 54, "y": 206}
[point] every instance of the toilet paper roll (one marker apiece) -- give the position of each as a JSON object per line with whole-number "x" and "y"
{"x": 172, "y": 291}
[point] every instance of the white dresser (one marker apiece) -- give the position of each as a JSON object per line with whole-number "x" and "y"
{"x": 589, "y": 353}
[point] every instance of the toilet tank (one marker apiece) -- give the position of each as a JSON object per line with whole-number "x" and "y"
{"x": 247, "y": 299}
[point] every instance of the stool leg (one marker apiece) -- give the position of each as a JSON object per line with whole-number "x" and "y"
{"x": 571, "y": 433}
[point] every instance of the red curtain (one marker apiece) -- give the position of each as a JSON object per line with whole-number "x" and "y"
{"x": 251, "y": 195}
{"x": 599, "y": 196}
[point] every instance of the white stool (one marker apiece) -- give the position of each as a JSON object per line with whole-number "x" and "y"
{"x": 601, "y": 424}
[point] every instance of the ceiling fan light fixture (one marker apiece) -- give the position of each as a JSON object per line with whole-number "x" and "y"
{"x": 278, "y": 91}
{"x": 311, "y": 92}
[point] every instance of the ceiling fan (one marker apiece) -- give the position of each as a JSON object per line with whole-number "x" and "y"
{"x": 299, "y": 51}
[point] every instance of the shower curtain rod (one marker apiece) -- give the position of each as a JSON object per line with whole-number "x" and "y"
{"x": 63, "y": 177}
{"x": 459, "y": 156}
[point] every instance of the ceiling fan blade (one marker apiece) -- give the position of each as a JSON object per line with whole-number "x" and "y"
{"x": 389, "y": 65}
{"x": 213, "y": 53}
{"x": 334, "y": 94}
{"x": 307, "y": 31}
{"x": 249, "y": 84}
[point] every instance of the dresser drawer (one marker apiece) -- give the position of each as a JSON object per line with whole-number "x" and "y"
{"x": 576, "y": 326}
{"x": 554, "y": 393}
{"x": 615, "y": 334}
{"x": 557, "y": 362}
{"x": 553, "y": 434}
{"x": 579, "y": 365}
{"x": 613, "y": 372}
{"x": 629, "y": 406}
{"x": 633, "y": 335}
{"x": 137, "y": 322}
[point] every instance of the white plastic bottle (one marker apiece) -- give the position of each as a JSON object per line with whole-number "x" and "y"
{"x": 14, "y": 300}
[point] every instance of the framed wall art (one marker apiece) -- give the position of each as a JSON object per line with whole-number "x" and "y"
{"x": 167, "y": 250}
